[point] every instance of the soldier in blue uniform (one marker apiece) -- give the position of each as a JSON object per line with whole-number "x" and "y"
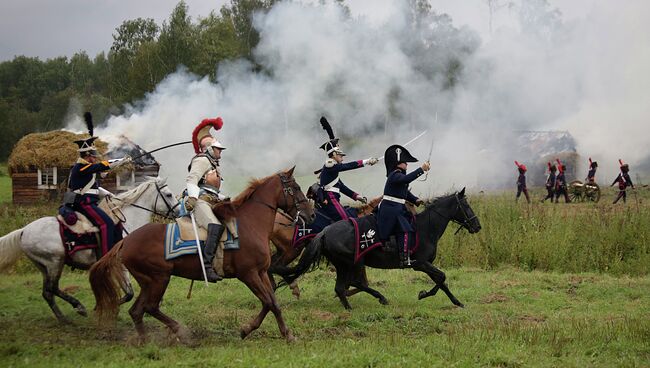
{"x": 84, "y": 183}
{"x": 393, "y": 216}
{"x": 560, "y": 184}
{"x": 550, "y": 183}
{"x": 330, "y": 185}
{"x": 521, "y": 182}
{"x": 623, "y": 179}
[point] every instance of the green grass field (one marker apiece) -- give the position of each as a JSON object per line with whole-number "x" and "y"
{"x": 5, "y": 184}
{"x": 513, "y": 318}
{"x": 544, "y": 285}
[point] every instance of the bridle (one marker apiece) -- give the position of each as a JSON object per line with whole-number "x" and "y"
{"x": 465, "y": 222}
{"x": 159, "y": 195}
{"x": 287, "y": 191}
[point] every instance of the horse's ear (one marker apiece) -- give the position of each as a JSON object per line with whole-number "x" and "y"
{"x": 461, "y": 194}
{"x": 161, "y": 180}
{"x": 290, "y": 171}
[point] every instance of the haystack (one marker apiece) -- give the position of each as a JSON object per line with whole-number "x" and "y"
{"x": 50, "y": 149}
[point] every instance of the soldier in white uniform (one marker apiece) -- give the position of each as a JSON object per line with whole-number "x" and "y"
{"x": 203, "y": 184}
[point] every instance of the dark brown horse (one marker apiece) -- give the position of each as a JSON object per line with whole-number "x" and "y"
{"x": 286, "y": 252}
{"x": 143, "y": 255}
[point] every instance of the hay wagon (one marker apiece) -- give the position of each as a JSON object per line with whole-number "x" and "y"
{"x": 580, "y": 192}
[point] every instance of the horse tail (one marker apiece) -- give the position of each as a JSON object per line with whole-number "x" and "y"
{"x": 106, "y": 281}
{"x": 310, "y": 256}
{"x": 10, "y": 249}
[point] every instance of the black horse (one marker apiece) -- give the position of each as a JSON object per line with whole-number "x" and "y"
{"x": 337, "y": 243}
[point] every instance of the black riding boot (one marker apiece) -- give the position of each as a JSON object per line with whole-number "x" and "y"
{"x": 214, "y": 235}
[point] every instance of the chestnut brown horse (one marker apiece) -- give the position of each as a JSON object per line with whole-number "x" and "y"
{"x": 286, "y": 252}
{"x": 143, "y": 255}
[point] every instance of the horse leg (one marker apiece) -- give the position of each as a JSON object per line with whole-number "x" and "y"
{"x": 50, "y": 285}
{"x": 343, "y": 278}
{"x": 255, "y": 284}
{"x": 439, "y": 278}
{"x": 151, "y": 306}
{"x": 360, "y": 278}
{"x": 137, "y": 309}
{"x": 127, "y": 287}
{"x": 275, "y": 308}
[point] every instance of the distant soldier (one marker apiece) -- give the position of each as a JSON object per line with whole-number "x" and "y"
{"x": 560, "y": 183}
{"x": 203, "y": 188}
{"x": 393, "y": 217}
{"x": 550, "y": 182}
{"x": 591, "y": 175}
{"x": 521, "y": 182}
{"x": 330, "y": 185}
{"x": 84, "y": 183}
{"x": 623, "y": 179}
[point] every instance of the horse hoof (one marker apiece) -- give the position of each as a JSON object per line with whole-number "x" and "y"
{"x": 459, "y": 304}
{"x": 422, "y": 295}
{"x": 383, "y": 301}
{"x": 82, "y": 310}
{"x": 291, "y": 338}
{"x": 245, "y": 330}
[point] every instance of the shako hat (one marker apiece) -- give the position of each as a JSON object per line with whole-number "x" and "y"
{"x": 87, "y": 146}
{"x": 332, "y": 145}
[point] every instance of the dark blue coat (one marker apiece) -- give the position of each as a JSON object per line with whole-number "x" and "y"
{"x": 521, "y": 181}
{"x": 394, "y": 218}
{"x": 82, "y": 172}
{"x": 333, "y": 208}
{"x": 550, "y": 181}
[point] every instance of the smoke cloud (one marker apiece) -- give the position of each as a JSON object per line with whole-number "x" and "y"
{"x": 383, "y": 82}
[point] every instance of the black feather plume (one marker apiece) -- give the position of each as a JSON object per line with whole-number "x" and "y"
{"x": 327, "y": 127}
{"x": 88, "y": 117}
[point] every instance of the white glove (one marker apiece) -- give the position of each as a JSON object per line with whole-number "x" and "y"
{"x": 119, "y": 161}
{"x": 362, "y": 198}
{"x": 103, "y": 192}
{"x": 370, "y": 161}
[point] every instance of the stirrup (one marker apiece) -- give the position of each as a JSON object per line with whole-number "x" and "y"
{"x": 211, "y": 275}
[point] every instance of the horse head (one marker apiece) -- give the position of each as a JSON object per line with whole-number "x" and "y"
{"x": 293, "y": 200}
{"x": 158, "y": 198}
{"x": 464, "y": 215}
{"x": 454, "y": 207}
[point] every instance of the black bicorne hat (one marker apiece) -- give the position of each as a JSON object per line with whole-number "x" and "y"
{"x": 396, "y": 154}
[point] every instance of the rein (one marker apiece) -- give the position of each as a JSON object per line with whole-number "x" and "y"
{"x": 465, "y": 223}
{"x": 168, "y": 214}
{"x": 288, "y": 192}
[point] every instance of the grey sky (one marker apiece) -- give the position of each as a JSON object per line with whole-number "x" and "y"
{"x": 50, "y": 28}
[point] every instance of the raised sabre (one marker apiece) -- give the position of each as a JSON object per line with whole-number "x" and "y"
{"x": 409, "y": 142}
{"x": 198, "y": 248}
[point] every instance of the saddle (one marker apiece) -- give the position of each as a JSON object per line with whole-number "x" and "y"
{"x": 365, "y": 235}
{"x": 78, "y": 232}
{"x": 180, "y": 240}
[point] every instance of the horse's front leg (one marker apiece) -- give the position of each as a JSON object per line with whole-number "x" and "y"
{"x": 439, "y": 278}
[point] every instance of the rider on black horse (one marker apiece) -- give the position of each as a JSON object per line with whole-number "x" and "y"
{"x": 84, "y": 183}
{"x": 330, "y": 185}
{"x": 393, "y": 217}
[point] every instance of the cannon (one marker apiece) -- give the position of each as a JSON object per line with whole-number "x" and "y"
{"x": 581, "y": 192}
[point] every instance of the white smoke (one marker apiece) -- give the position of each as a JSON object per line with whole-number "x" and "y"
{"x": 369, "y": 78}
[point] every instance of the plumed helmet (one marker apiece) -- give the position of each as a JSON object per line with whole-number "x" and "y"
{"x": 87, "y": 146}
{"x": 553, "y": 168}
{"x": 395, "y": 155}
{"x": 202, "y": 131}
{"x": 330, "y": 147}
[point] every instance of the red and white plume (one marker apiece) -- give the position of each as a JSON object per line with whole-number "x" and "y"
{"x": 203, "y": 130}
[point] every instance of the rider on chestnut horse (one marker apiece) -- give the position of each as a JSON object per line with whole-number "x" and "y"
{"x": 203, "y": 188}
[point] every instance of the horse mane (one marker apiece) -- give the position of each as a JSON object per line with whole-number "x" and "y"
{"x": 132, "y": 195}
{"x": 228, "y": 209}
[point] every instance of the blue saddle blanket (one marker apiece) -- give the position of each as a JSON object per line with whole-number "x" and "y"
{"x": 176, "y": 247}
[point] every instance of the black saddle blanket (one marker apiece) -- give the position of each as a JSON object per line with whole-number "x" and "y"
{"x": 366, "y": 237}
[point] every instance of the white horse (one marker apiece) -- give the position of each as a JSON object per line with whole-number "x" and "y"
{"x": 41, "y": 242}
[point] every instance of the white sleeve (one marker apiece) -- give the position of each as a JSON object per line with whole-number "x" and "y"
{"x": 199, "y": 167}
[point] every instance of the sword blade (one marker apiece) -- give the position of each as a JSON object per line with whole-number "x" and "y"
{"x": 198, "y": 247}
{"x": 409, "y": 142}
